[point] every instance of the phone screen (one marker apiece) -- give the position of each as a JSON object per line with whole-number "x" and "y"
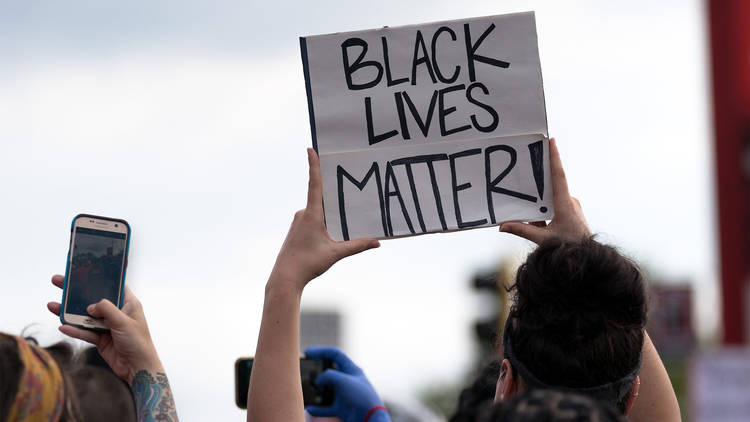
{"x": 97, "y": 263}
{"x": 309, "y": 368}
{"x": 312, "y": 394}
{"x": 242, "y": 381}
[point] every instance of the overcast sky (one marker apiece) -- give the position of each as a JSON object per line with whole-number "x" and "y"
{"x": 189, "y": 120}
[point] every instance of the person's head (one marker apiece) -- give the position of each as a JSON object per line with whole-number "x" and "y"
{"x": 576, "y": 323}
{"x": 32, "y": 384}
{"x": 551, "y": 406}
{"x": 101, "y": 395}
{"x": 53, "y": 384}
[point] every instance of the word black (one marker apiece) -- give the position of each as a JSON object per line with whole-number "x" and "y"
{"x": 420, "y": 58}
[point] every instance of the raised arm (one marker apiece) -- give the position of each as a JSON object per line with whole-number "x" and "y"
{"x": 129, "y": 351}
{"x": 656, "y": 399}
{"x": 275, "y": 392}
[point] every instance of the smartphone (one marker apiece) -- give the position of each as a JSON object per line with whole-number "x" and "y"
{"x": 97, "y": 258}
{"x": 312, "y": 395}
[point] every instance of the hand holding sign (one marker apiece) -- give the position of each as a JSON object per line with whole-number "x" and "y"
{"x": 308, "y": 251}
{"x": 568, "y": 222}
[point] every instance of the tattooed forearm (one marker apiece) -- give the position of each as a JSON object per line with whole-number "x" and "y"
{"x": 153, "y": 397}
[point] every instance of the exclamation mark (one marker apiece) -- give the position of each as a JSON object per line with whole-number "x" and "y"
{"x": 536, "y": 152}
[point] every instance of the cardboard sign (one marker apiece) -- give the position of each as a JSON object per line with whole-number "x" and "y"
{"x": 429, "y": 128}
{"x": 719, "y": 390}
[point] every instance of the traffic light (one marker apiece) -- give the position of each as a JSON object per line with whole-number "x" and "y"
{"x": 487, "y": 329}
{"x": 494, "y": 283}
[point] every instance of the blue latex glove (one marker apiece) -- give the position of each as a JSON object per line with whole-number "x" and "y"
{"x": 354, "y": 397}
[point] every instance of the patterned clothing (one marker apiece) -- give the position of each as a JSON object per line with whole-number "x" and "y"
{"x": 40, "y": 389}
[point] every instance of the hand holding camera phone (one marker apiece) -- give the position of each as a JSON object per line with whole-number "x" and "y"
{"x": 127, "y": 347}
{"x": 355, "y": 397}
{"x": 95, "y": 270}
{"x": 332, "y": 385}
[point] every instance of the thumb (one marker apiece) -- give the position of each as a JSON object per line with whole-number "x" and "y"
{"x": 330, "y": 377}
{"x": 105, "y": 309}
{"x": 353, "y": 247}
{"x": 321, "y": 412}
{"x": 526, "y": 231}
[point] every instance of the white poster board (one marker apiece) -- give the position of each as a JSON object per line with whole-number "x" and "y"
{"x": 429, "y": 128}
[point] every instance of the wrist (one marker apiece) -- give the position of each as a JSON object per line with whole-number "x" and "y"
{"x": 377, "y": 414}
{"x": 150, "y": 363}
{"x": 280, "y": 283}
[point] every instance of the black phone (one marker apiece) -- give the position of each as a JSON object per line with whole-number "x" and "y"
{"x": 309, "y": 368}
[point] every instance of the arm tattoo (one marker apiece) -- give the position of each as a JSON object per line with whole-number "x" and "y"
{"x": 153, "y": 397}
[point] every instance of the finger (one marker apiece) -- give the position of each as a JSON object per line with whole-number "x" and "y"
{"x": 527, "y": 231}
{"x": 559, "y": 181}
{"x": 315, "y": 184}
{"x": 85, "y": 335}
{"x": 577, "y": 204}
{"x": 321, "y": 412}
{"x": 54, "y": 307}
{"x": 130, "y": 297}
{"x": 106, "y": 310}
{"x": 132, "y": 307}
{"x": 353, "y": 247}
{"x": 330, "y": 377}
{"x": 58, "y": 280}
{"x": 335, "y": 354}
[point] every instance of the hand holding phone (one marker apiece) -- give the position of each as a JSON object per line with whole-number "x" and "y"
{"x": 127, "y": 347}
{"x": 355, "y": 399}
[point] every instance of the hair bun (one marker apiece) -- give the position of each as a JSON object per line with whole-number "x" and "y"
{"x": 584, "y": 282}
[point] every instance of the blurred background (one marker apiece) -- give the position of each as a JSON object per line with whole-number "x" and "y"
{"x": 189, "y": 120}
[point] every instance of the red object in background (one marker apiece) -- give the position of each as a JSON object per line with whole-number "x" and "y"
{"x": 730, "y": 52}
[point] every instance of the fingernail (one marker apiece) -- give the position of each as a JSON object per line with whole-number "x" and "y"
{"x": 502, "y": 228}
{"x": 90, "y": 308}
{"x": 375, "y": 244}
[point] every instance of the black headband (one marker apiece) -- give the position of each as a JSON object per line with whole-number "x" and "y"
{"x": 606, "y": 392}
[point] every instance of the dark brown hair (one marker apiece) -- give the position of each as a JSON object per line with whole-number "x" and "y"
{"x": 551, "y": 406}
{"x": 578, "y": 315}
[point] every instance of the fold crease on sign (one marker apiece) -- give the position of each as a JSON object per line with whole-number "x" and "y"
{"x": 529, "y": 135}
